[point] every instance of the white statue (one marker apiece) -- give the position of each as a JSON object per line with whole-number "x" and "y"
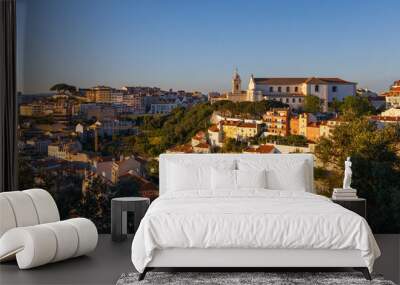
{"x": 347, "y": 174}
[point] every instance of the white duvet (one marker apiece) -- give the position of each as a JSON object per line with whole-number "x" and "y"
{"x": 250, "y": 219}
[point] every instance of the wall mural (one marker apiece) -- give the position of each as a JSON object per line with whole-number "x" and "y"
{"x": 87, "y": 144}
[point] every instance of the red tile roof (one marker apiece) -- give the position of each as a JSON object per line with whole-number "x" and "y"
{"x": 230, "y": 123}
{"x": 266, "y": 148}
{"x": 248, "y": 125}
{"x": 386, "y": 118}
{"x": 239, "y": 124}
{"x": 300, "y": 80}
{"x": 202, "y": 145}
{"x": 185, "y": 148}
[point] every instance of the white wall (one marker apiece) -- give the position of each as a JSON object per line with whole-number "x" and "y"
{"x": 343, "y": 90}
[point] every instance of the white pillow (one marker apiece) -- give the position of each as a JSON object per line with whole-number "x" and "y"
{"x": 190, "y": 176}
{"x": 223, "y": 179}
{"x": 183, "y": 177}
{"x": 281, "y": 175}
{"x": 251, "y": 178}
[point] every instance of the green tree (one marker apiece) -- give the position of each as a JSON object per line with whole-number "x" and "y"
{"x": 355, "y": 107}
{"x": 233, "y": 146}
{"x": 25, "y": 173}
{"x": 312, "y": 104}
{"x": 376, "y": 168}
{"x": 152, "y": 170}
{"x": 64, "y": 88}
{"x": 294, "y": 140}
{"x": 335, "y": 105}
{"x": 95, "y": 205}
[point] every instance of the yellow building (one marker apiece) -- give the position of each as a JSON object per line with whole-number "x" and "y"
{"x": 229, "y": 129}
{"x": 31, "y": 110}
{"x": 99, "y": 94}
{"x": 327, "y": 127}
{"x": 239, "y": 130}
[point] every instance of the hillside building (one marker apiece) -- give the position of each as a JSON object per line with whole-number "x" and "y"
{"x": 289, "y": 90}
{"x": 277, "y": 122}
{"x": 392, "y": 96}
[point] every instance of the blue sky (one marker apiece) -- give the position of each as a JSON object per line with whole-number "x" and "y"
{"x": 195, "y": 45}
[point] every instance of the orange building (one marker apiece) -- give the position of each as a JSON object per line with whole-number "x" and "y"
{"x": 277, "y": 122}
{"x": 313, "y": 132}
{"x": 294, "y": 126}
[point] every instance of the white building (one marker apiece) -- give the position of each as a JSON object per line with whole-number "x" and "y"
{"x": 163, "y": 106}
{"x": 393, "y": 95}
{"x": 63, "y": 150}
{"x": 289, "y": 90}
{"x": 292, "y": 90}
{"x": 116, "y": 96}
{"x": 113, "y": 127}
{"x": 125, "y": 165}
{"x": 392, "y": 112}
{"x": 136, "y": 101}
{"x": 215, "y": 136}
{"x": 79, "y": 129}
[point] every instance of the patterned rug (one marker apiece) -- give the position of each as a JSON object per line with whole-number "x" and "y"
{"x": 243, "y": 278}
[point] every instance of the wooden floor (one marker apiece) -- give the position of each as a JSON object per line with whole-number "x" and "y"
{"x": 111, "y": 259}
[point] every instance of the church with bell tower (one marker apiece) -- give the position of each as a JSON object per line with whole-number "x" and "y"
{"x": 237, "y": 94}
{"x": 236, "y": 83}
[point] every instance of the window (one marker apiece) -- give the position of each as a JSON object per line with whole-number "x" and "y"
{"x": 288, "y": 89}
{"x": 294, "y": 100}
{"x": 279, "y": 89}
{"x": 316, "y": 88}
{"x": 287, "y": 100}
{"x": 296, "y": 89}
{"x": 334, "y": 88}
{"x": 271, "y": 89}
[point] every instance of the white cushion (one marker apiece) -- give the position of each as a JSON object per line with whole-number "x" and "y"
{"x": 45, "y": 205}
{"x": 87, "y": 235}
{"x": 188, "y": 176}
{"x": 67, "y": 240}
{"x": 23, "y": 208}
{"x": 281, "y": 175}
{"x": 223, "y": 179}
{"x": 251, "y": 178}
{"x": 40, "y": 244}
{"x": 32, "y": 246}
{"x": 7, "y": 218}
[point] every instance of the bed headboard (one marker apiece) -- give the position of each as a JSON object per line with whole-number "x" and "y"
{"x": 210, "y": 158}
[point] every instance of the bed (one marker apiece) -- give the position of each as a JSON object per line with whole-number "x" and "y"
{"x": 246, "y": 211}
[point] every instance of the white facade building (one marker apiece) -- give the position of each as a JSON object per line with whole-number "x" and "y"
{"x": 292, "y": 91}
{"x": 392, "y": 112}
{"x": 163, "y": 107}
{"x": 116, "y": 96}
{"x": 289, "y": 90}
